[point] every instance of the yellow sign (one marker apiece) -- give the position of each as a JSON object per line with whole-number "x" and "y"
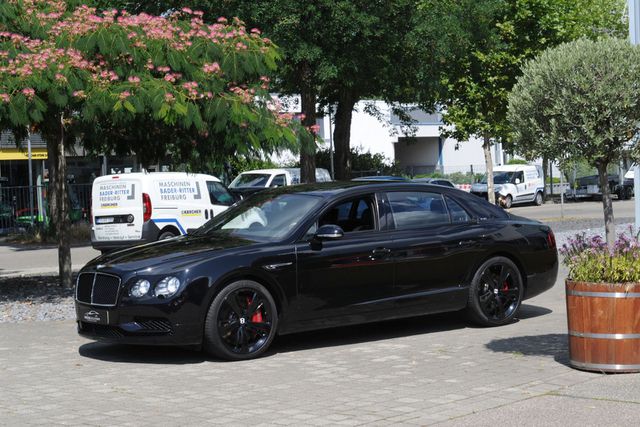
{"x": 21, "y": 154}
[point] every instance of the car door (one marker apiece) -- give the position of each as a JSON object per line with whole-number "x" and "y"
{"x": 435, "y": 243}
{"x": 349, "y": 276}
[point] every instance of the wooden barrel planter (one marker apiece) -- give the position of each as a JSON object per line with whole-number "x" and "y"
{"x": 604, "y": 326}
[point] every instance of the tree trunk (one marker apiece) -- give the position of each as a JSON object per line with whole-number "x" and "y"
{"x": 486, "y": 147}
{"x": 308, "y": 144}
{"x": 342, "y": 135}
{"x": 607, "y": 205}
{"x": 61, "y": 214}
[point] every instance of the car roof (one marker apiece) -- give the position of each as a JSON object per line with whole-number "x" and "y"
{"x": 333, "y": 188}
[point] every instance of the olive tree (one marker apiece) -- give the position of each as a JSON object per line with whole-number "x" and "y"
{"x": 580, "y": 101}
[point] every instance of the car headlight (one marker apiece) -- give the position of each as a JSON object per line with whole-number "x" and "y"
{"x": 167, "y": 287}
{"x": 140, "y": 288}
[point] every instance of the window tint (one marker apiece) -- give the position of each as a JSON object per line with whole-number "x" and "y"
{"x": 458, "y": 214}
{"x": 417, "y": 209}
{"x": 484, "y": 209}
{"x": 218, "y": 194}
{"x": 351, "y": 215}
{"x": 278, "y": 181}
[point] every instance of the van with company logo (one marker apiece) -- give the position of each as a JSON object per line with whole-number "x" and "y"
{"x": 135, "y": 208}
{"x": 513, "y": 184}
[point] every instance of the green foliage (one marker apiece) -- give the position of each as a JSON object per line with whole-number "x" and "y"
{"x": 149, "y": 85}
{"x": 590, "y": 259}
{"x": 579, "y": 101}
{"x": 455, "y": 177}
{"x": 366, "y": 163}
{"x": 517, "y": 162}
{"x": 504, "y": 35}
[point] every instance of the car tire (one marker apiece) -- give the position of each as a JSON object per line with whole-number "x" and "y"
{"x": 166, "y": 235}
{"x": 538, "y": 199}
{"x": 508, "y": 201}
{"x": 495, "y": 293}
{"x": 241, "y": 322}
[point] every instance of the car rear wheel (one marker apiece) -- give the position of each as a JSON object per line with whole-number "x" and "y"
{"x": 166, "y": 235}
{"x": 507, "y": 201}
{"x": 496, "y": 292}
{"x": 538, "y": 199}
{"x": 241, "y": 322}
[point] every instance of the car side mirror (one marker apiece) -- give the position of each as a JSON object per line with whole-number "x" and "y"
{"x": 329, "y": 232}
{"x": 517, "y": 180}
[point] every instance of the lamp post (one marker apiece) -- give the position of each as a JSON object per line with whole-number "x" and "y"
{"x": 634, "y": 37}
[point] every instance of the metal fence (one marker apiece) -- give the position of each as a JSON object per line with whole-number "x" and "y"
{"x": 27, "y": 206}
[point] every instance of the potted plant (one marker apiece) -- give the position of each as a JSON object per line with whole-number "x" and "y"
{"x": 603, "y": 303}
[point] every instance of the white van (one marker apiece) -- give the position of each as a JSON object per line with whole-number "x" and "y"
{"x": 514, "y": 184}
{"x": 251, "y": 181}
{"x": 136, "y": 208}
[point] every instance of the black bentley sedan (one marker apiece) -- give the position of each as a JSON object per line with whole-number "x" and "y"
{"x": 315, "y": 256}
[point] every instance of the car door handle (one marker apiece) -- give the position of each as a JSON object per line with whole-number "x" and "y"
{"x": 380, "y": 253}
{"x": 467, "y": 242}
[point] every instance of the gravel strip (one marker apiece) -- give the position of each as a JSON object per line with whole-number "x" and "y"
{"x": 42, "y": 299}
{"x": 35, "y": 299}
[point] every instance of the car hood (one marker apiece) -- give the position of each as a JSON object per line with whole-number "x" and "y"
{"x": 170, "y": 254}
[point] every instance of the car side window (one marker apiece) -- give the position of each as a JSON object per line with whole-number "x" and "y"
{"x": 278, "y": 181}
{"x": 457, "y": 212}
{"x": 218, "y": 194}
{"x": 351, "y": 215}
{"x": 416, "y": 209}
{"x": 520, "y": 177}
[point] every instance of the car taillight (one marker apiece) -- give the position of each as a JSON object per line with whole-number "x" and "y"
{"x": 146, "y": 207}
{"x": 551, "y": 239}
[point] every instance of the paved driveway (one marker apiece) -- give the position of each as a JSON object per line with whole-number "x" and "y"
{"x": 419, "y": 371}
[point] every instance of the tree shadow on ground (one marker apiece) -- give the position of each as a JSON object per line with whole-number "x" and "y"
{"x": 555, "y": 345}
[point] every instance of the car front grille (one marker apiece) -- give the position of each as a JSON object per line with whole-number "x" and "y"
{"x": 155, "y": 326}
{"x": 98, "y": 289}
{"x": 104, "y": 331}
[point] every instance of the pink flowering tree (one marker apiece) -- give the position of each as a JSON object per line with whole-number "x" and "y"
{"x": 117, "y": 82}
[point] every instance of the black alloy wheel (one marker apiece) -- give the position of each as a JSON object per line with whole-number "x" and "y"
{"x": 241, "y": 322}
{"x": 496, "y": 292}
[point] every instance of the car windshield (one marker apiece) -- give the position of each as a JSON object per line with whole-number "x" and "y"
{"x": 250, "y": 180}
{"x": 264, "y": 217}
{"x": 499, "y": 178}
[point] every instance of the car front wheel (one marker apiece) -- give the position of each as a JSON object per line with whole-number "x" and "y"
{"x": 496, "y": 292}
{"x": 241, "y": 322}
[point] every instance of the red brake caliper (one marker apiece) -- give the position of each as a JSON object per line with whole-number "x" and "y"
{"x": 257, "y": 316}
{"x": 505, "y": 286}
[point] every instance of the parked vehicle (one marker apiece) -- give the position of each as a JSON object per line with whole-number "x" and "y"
{"x": 250, "y": 182}
{"x": 376, "y": 178}
{"x": 513, "y": 184}
{"x": 588, "y": 187}
{"x": 314, "y": 256}
{"x": 435, "y": 181}
{"x": 136, "y": 208}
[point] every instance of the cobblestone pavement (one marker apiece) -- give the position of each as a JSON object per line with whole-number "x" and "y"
{"x": 420, "y": 371}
